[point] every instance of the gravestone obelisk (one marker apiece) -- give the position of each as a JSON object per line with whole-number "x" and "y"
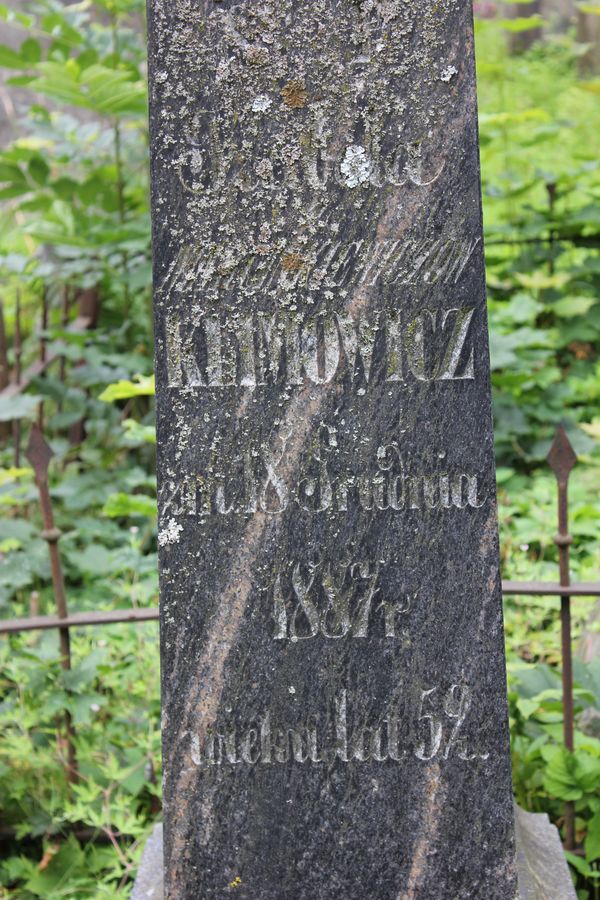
{"x": 333, "y": 676}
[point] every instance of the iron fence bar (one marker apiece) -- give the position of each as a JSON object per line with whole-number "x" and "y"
{"x": 577, "y": 240}
{"x": 43, "y": 348}
{"x": 150, "y": 614}
{"x": 562, "y": 459}
{"x": 43, "y": 326}
{"x": 64, "y": 321}
{"x": 75, "y": 620}
{"x": 16, "y": 386}
{"x": 39, "y": 455}
{"x": 548, "y": 589}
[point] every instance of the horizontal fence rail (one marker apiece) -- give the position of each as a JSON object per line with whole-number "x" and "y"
{"x": 548, "y": 589}
{"x": 150, "y": 614}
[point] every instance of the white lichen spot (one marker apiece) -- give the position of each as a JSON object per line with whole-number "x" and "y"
{"x": 264, "y": 168}
{"x": 170, "y": 534}
{"x": 261, "y": 103}
{"x": 355, "y": 166}
{"x": 448, "y": 73}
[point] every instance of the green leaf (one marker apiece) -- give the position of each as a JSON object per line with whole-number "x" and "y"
{"x": 31, "y": 51}
{"x": 142, "y": 386}
{"x": 6, "y": 477}
{"x": 573, "y": 306}
{"x": 592, "y": 840}
{"x": 11, "y": 15}
{"x": 129, "y": 505}
{"x": 39, "y": 170}
{"x": 540, "y": 280}
{"x": 592, "y": 87}
{"x": 137, "y": 434}
{"x": 63, "y": 865}
{"x": 23, "y": 406}
{"x": 9, "y": 58}
{"x": 514, "y": 118}
{"x": 84, "y": 707}
{"x": 93, "y": 560}
{"x": 521, "y": 23}
{"x": 11, "y": 172}
{"x": 559, "y": 779}
{"x": 110, "y": 92}
{"x": 527, "y": 707}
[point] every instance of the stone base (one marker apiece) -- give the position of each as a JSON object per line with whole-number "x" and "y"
{"x": 149, "y": 881}
{"x": 543, "y": 870}
{"x": 542, "y": 867}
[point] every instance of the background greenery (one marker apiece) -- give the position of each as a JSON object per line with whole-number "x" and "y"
{"x": 75, "y": 212}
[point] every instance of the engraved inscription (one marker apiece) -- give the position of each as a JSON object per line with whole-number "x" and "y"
{"x": 256, "y": 350}
{"x": 430, "y": 725}
{"x": 336, "y": 264}
{"x": 198, "y": 171}
{"x": 334, "y": 602}
{"x": 256, "y": 482}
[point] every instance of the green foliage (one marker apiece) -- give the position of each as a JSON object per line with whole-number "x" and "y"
{"x": 74, "y": 186}
{"x": 545, "y": 774}
{"x": 75, "y": 215}
{"x": 113, "y": 698}
{"x": 541, "y": 181}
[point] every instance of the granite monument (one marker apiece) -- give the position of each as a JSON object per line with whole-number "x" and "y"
{"x": 333, "y": 675}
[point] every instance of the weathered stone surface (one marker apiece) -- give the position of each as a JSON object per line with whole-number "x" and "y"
{"x": 332, "y": 649}
{"x": 542, "y": 867}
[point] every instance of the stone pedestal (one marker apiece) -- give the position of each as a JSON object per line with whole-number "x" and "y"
{"x": 541, "y": 864}
{"x": 542, "y": 869}
{"x": 149, "y": 882}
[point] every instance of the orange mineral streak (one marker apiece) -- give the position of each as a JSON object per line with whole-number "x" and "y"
{"x": 434, "y": 796}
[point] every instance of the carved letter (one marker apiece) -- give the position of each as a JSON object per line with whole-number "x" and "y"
{"x": 338, "y": 606}
{"x": 341, "y": 727}
{"x": 360, "y": 625}
{"x": 182, "y": 368}
{"x": 456, "y": 344}
{"x": 214, "y": 368}
{"x": 247, "y": 359}
{"x": 279, "y": 612}
{"x": 426, "y": 752}
{"x": 358, "y": 340}
{"x": 305, "y": 606}
{"x": 271, "y": 343}
{"x": 274, "y": 481}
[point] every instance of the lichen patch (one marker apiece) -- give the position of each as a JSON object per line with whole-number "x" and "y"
{"x": 170, "y": 533}
{"x": 261, "y": 103}
{"x": 448, "y": 73}
{"x": 294, "y": 94}
{"x": 292, "y": 262}
{"x": 356, "y": 166}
